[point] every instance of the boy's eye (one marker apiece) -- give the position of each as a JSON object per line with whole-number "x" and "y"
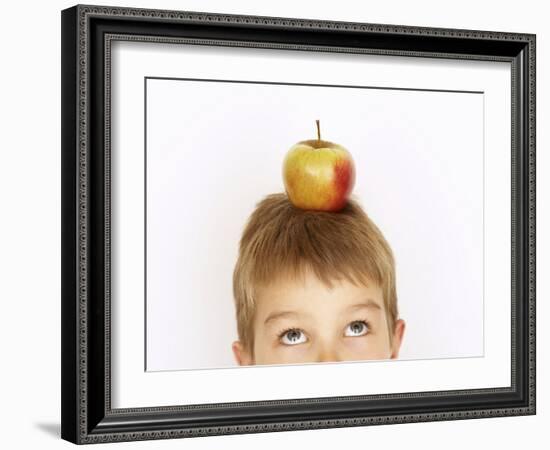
{"x": 357, "y": 328}
{"x": 293, "y": 337}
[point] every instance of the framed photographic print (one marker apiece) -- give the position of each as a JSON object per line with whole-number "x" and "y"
{"x": 280, "y": 224}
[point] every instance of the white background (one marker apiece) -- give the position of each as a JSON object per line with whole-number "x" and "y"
{"x": 30, "y": 186}
{"x": 419, "y": 176}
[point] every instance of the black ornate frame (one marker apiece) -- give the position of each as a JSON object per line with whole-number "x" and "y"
{"x": 87, "y": 32}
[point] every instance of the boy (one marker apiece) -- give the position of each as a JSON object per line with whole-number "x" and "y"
{"x": 314, "y": 286}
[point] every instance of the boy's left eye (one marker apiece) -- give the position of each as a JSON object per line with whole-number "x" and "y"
{"x": 357, "y": 328}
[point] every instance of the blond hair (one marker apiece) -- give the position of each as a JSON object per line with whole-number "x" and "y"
{"x": 281, "y": 240}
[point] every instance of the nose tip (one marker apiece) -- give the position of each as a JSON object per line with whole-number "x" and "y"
{"x": 327, "y": 356}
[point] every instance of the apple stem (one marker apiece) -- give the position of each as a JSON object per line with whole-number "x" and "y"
{"x": 318, "y": 130}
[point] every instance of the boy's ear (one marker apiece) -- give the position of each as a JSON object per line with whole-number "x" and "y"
{"x": 242, "y": 357}
{"x": 398, "y": 332}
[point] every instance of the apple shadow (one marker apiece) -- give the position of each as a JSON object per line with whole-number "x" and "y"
{"x": 53, "y": 429}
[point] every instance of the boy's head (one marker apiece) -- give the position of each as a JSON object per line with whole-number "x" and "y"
{"x": 314, "y": 286}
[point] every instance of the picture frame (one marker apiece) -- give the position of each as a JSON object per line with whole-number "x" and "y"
{"x": 89, "y": 331}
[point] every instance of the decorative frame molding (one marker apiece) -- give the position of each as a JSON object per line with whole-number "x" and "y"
{"x": 87, "y": 34}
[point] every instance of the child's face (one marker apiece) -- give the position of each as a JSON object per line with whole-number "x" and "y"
{"x": 306, "y": 322}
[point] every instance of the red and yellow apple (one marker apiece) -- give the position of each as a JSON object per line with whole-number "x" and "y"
{"x": 318, "y": 174}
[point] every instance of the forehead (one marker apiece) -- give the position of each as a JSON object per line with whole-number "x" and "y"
{"x": 311, "y": 294}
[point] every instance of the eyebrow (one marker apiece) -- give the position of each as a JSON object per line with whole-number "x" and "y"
{"x": 368, "y": 303}
{"x": 280, "y": 314}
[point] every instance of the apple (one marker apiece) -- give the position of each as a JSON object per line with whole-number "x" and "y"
{"x": 318, "y": 174}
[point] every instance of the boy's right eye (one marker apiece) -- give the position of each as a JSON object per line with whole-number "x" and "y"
{"x": 292, "y": 336}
